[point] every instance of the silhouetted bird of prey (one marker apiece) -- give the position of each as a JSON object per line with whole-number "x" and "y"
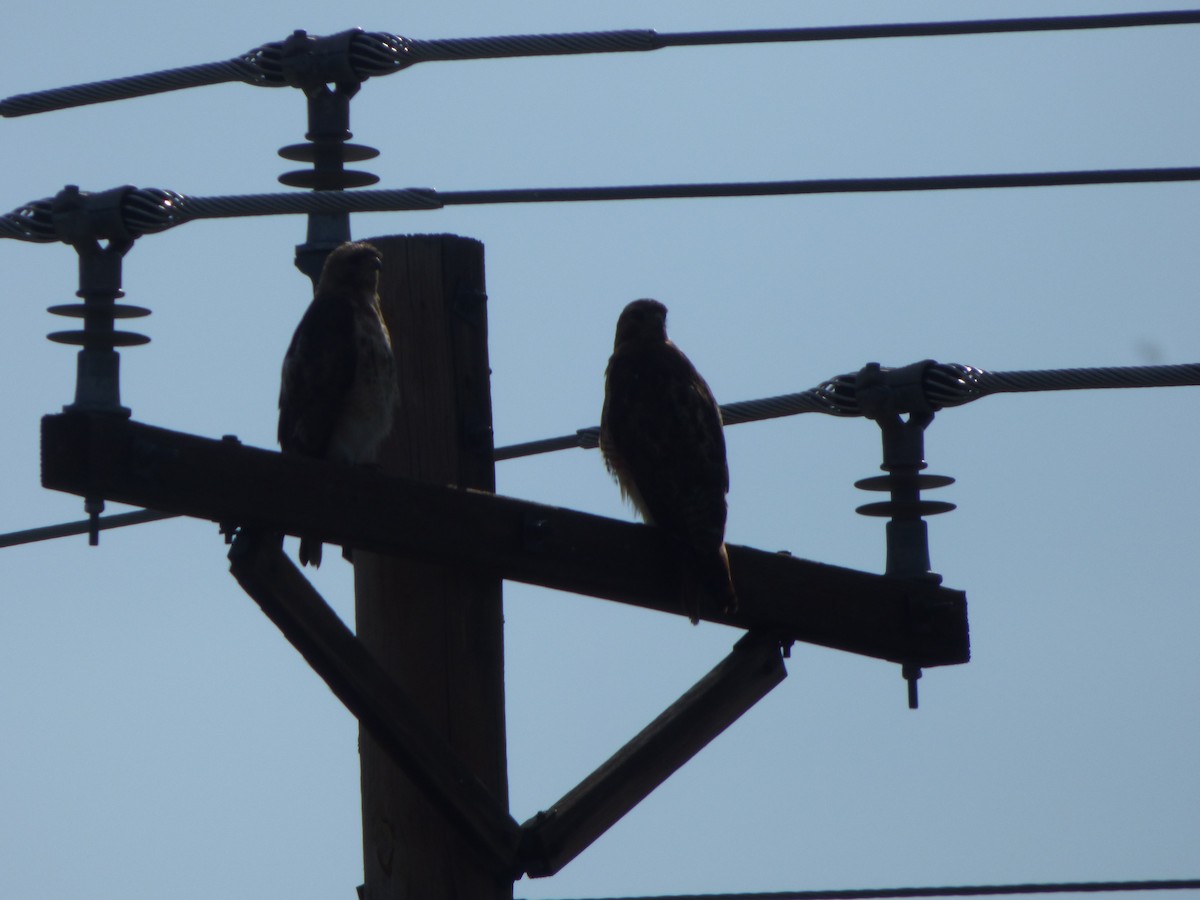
{"x": 339, "y": 390}
{"x": 661, "y": 436}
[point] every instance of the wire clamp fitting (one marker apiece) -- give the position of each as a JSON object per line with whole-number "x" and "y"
{"x": 94, "y": 224}
{"x": 883, "y": 394}
{"x": 325, "y": 68}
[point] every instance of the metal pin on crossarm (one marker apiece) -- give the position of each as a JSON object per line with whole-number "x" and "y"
{"x": 883, "y": 395}
{"x": 94, "y": 224}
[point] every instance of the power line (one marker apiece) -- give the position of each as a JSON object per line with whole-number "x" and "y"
{"x": 67, "y": 529}
{"x": 824, "y": 186}
{"x": 366, "y": 54}
{"x": 1079, "y": 887}
{"x": 977, "y": 383}
{"x": 151, "y": 210}
{"x": 928, "y": 385}
{"x": 936, "y": 386}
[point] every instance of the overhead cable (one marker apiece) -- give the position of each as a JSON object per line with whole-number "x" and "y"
{"x": 939, "y": 385}
{"x": 926, "y": 386}
{"x": 366, "y": 54}
{"x": 151, "y": 210}
{"x": 83, "y": 526}
{"x": 1078, "y": 887}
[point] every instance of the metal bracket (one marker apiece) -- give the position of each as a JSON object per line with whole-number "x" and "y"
{"x": 84, "y": 221}
{"x": 313, "y": 64}
{"x": 882, "y": 394}
{"x": 309, "y": 61}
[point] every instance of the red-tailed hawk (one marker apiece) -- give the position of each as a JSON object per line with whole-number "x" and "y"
{"x": 660, "y": 433}
{"x": 338, "y": 391}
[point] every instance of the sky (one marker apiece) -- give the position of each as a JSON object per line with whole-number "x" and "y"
{"x": 158, "y": 737}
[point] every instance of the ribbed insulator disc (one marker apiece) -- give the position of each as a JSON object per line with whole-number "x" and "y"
{"x": 327, "y": 181}
{"x": 884, "y": 482}
{"x": 117, "y": 338}
{"x": 921, "y": 508}
{"x": 117, "y": 311}
{"x": 308, "y": 152}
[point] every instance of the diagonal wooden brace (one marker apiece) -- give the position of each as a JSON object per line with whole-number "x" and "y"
{"x": 306, "y": 620}
{"x": 556, "y": 836}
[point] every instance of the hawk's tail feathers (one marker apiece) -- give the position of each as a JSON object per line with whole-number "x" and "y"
{"x": 310, "y": 552}
{"x": 707, "y": 584}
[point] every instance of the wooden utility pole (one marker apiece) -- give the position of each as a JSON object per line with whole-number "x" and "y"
{"x": 424, "y": 676}
{"x": 437, "y": 631}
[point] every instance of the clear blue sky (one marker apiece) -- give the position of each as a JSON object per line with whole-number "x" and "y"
{"x": 158, "y": 738}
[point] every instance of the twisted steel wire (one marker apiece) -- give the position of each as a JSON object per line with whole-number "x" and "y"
{"x": 380, "y": 53}
{"x": 239, "y": 69}
{"x": 508, "y": 46}
{"x": 370, "y": 54}
{"x": 31, "y": 222}
{"x": 404, "y": 199}
{"x": 974, "y": 382}
{"x": 151, "y": 210}
{"x": 944, "y": 385}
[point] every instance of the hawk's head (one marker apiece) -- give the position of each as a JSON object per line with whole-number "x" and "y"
{"x": 642, "y": 320}
{"x": 353, "y": 266}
